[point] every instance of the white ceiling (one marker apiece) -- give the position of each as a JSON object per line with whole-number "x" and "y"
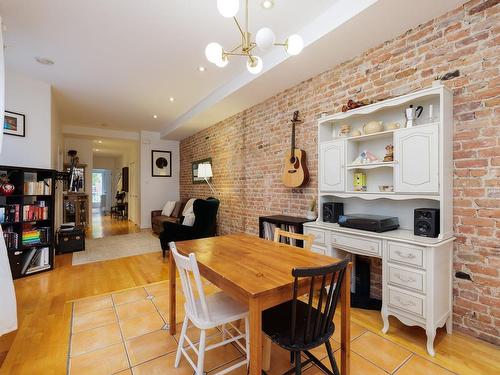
{"x": 117, "y": 62}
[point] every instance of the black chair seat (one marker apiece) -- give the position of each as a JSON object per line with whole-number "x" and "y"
{"x": 276, "y": 323}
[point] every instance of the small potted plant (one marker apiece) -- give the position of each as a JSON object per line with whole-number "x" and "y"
{"x": 311, "y": 213}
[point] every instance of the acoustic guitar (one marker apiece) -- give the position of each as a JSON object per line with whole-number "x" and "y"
{"x": 295, "y": 173}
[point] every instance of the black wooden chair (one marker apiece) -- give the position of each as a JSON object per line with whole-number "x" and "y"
{"x": 298, "y": 326}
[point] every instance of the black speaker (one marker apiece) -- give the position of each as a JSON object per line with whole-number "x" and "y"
{"x": 332, "y": 211}
{"x": 426, "y": 222}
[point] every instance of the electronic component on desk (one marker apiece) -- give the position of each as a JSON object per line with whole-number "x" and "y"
{"x": 372, "y": 223}
{"x": 426, "y": 222}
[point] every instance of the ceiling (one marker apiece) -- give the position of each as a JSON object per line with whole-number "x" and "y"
{"x": 117, "y": 62}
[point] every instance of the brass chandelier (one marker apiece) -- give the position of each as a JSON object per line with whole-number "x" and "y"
{"x": 264, "y": 40}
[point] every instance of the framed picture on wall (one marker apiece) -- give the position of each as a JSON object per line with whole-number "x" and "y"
{"x": 194, "y": 170}
{"x": 161, "y": 163}
{"x": 14, "y": 124}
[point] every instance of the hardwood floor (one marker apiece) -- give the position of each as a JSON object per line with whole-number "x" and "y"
{"x": 103, "y": 226}
{"x": 41, "y": 343}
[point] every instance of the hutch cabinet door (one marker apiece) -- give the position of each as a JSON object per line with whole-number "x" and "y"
{"x": 416, "y": 153}
{"x": 332, "y": 174}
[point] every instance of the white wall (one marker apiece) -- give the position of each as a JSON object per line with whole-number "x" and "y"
{"x": 112, "y": 169}
{"x": 156, "y": 191}
{"x": 33, "y": 99}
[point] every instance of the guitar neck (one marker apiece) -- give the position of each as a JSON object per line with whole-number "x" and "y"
{"x": 293, "y": 138}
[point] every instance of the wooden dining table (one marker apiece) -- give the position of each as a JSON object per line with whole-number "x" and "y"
{"x": 257, "y": 272}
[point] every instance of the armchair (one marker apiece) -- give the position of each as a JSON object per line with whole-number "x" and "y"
{"x": 205, "y": 224}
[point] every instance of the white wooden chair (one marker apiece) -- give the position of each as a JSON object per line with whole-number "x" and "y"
{"x": 207, "y": 312}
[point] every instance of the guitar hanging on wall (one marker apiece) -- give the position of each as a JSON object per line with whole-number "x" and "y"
{"x": 295, "y": 173}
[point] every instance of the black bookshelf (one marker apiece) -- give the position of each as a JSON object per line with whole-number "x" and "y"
{"x": 34, "y": 198}
{"x": 283, "y": 220}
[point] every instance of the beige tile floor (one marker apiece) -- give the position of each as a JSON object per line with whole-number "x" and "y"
{"x": 123, "y": 333}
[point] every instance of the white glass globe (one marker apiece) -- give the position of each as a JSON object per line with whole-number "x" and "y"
{"x": 228, "y": 8}
{"x": 294, "y": 44}
{"x": 213, "y": 52}
{"x": 265, "y": 38}
{"x": 255, "y": 67}
{"x": 222, "y": 62}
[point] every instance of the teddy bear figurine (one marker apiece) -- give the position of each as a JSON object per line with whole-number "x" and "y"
{"x": 389, "y": 156}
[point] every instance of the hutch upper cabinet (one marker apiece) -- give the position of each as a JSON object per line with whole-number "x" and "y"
{"x": 332, "y": 176}
{"x": 417, "y": 155}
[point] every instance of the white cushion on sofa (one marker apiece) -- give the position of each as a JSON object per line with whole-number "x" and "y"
{"x": 188, "y": 208}
{"x": 188, "y": 220}
{"x": 168, "y": 208}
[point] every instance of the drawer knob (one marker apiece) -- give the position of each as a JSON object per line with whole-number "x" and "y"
{"x": 404, "y": 279}
{"x": 334, "y": 240}
{"x": 406, "y": 256}
{"x": 372, "y": 247}
{"x": 405, "y": 302}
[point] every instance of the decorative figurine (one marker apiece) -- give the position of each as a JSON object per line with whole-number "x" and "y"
{"x": 365, "y": 157}
{"x": 359, "y": 181}
{"x": 389, "y": 156}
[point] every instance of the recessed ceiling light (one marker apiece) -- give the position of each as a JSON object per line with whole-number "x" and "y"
{"x": 171, "y": 99}
{"x": 44, "y": 61}
{"x": 201, "y": 68}
{"x": 96, "y": 149}
{"x": 155, "y": 116}
{"x": 99, "y": 141}
{"x": 267, "y": 4}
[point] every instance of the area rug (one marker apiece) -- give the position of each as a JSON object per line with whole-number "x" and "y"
{"x": 114, "y": 247}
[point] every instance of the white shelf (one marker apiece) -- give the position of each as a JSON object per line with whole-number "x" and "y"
{"x": 382, "y": 164}
{"x": 371, "y": 136}
{"x": 371, "y": 195}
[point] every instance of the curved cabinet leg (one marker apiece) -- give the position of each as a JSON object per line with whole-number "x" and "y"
{"x": 449, "y": 324}
{"x": 385, "y": 319}
{"x": 431, "y": 335}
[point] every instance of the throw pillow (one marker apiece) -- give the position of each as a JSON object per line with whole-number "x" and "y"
{"x": 188, "y": 220}
{"x": 188, "y": 208}
{"x": 168, "y": 208}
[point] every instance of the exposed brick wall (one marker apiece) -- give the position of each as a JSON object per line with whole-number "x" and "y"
{"x": 247, "y": 149}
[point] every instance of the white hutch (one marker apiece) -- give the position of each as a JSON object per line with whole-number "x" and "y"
{"x": 417, "y": 271}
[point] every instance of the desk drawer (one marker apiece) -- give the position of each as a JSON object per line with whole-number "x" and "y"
{"x": 406, "y": 301}
{"x": 319, "y": 235}
{"x": 357, "y": 245}
{"x": 406, "y": 254}
{"x": 406, "y": 278}
{"x": 318, "y": 249}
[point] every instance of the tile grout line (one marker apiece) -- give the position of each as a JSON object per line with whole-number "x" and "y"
{"x": 121, "y": 333}
{"x": 362, "y": 356}
{"x": 402, "y": 364}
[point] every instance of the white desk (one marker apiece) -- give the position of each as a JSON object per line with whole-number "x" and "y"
{"x": 417, "y": 282}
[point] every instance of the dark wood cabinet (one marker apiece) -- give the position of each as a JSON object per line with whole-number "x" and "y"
{"x": 125, "y": 179}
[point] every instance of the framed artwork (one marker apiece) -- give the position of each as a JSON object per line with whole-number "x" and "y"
{"x": 161, "y": 163}
{"x": 194, "y": 170}
{"x": 14, "y": 124}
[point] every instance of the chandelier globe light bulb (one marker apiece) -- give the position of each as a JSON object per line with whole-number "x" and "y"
{"x": 255, "y": 66}
{"x": 265, "y": 38}
{"x": 228, "y": 8}
{"x": 222, "y": 62}
{"x": 213, "y": 52}
{"x": 294, "y": 44}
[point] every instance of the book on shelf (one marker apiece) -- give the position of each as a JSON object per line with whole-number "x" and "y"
{"x": 269, "y": 232}
{"x": 10, "y": 213}
{"x": 36, "y": 211}
{"x": 43, "y": 187}
{"x": 35, "y": 236}
{"x": 11, "y": 238}
{"x": 35, "y": 260}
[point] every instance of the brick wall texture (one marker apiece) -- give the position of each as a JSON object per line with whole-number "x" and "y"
{"x": 248, "y": 148}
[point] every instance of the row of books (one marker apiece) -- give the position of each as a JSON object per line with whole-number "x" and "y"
{"x": 269, "y": 232}
{"x": 36, "y": 211}
{"x": 36, "y": 236}
{"x": 38, "y": 187}
{"x": 35, "y": 260}
{"x": 10, "y": 213}
{"x": 11, "y": 238}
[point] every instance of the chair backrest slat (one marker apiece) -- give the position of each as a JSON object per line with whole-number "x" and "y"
{"x": 188, "y": 272}
{"x": 333, "y": 273}
{"x": 306, "y": 238}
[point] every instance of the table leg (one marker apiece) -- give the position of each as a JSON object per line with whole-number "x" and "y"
{"x": 255, "y": 312}
{"x": 345, "y": 324}
{"x": 171, "y": 289}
